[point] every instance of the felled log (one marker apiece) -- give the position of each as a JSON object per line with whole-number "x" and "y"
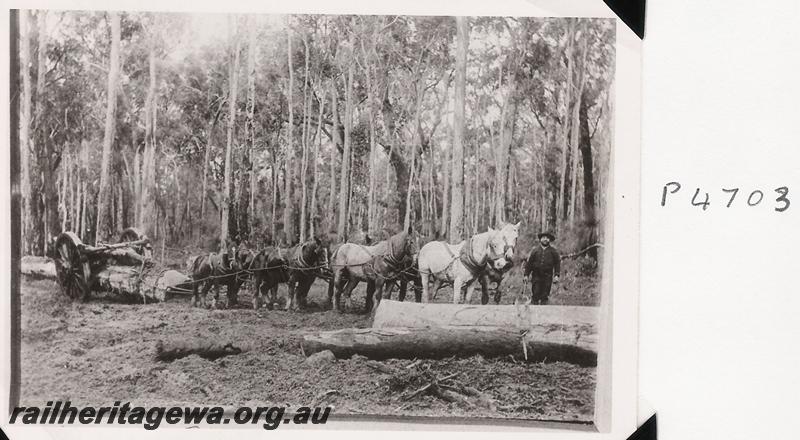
{"x": 169, "y": 350}
{"x": 153, "y": 285}
{"x": 147, "y": 284}
{"x": 38, "y": 267}
{"x": 419, "y": 315}
{"x": 124, "y": 257}
{"x": 460, "y": 341}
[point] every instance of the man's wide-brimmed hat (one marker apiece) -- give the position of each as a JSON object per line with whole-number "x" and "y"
{"x": 548, "y": 235}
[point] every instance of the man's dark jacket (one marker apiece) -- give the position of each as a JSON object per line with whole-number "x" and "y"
{"x": 543, "y": 262}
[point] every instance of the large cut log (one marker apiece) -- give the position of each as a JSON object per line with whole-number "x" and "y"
{"x": 147, "y": 284}
{"x": 37, "y": 267}
{"x": 419, "y": 315}
{"x": 459, "y": 341}
{"x": 171, "y": 349}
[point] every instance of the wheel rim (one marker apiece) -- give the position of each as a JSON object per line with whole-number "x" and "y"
{"x": 72, "y": 267}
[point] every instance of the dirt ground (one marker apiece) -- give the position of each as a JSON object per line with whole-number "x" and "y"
{"x": 101, "y": 351}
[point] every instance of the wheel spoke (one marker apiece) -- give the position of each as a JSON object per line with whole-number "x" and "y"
{"x": 64, "y": 251}
{"x": 68, "y": 286}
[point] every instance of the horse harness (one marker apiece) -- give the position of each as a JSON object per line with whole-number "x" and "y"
{"x": 389, "y": 258}
{"x": 474, "y": 266}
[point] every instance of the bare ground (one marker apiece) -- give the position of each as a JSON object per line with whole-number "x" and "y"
{"x": 102, "y": 351}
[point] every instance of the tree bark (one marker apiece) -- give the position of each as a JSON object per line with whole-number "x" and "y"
{"x": 457, "y": 166}
{"x": 507, "y": 127}
{"x": 304, "y": 160}
{"x": 211, "y": 349}
{"x": 103, "y": 231}
{"x": 47, "y": 151}
{"x": 233, "y": 83}
{"x": 565, "y": 125}
{"x": 249, "y": 189}
{"x": 288, "y": 194}
{"x": 443, "y": 342}
{"x": 275, "y": 166}
{"x": 344, "y": 188}
{"x": 148, "y": 179}
{"x": 590, "y": 216}
{"x": 318, "y": 140}
{"x": 27, "y": 156}
{"x": 575, "y": 129}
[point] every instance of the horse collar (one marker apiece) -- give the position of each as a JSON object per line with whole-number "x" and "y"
{"x": 469, "y": 261}
{"x": 300, "y": 260}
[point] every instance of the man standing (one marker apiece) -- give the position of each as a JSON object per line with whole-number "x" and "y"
{"x": 543, "y": 268}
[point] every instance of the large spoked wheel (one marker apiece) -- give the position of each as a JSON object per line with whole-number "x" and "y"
{"x": 134, "y": 234}
{"x": 72, "y": 267}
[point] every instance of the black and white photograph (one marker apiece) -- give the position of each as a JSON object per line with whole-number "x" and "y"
{"x": 397, "y": 217}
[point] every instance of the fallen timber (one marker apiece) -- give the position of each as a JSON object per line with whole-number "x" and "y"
{"x": 121, "y": 269}
{"x": 435, "y": 331}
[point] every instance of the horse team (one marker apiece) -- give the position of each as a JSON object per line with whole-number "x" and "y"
{"x": 484, "y": 257}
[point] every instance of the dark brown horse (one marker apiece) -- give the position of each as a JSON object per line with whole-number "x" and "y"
{"x": 352, "y": 263}
{"x": 214, "y": 270}
{"x": 297, "y": 266}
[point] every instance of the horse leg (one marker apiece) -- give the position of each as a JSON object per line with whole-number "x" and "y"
{"x": 426, "y": 293}
{"x": 256, "y": 291}
{"x": 306, "y": 282}
{"x": 230, "y": 294}
{"x": 348, "y": 291}
{"x": 437, "y": 284}
{"x": 417, "y": 289}
{"x": 339, "y": 284}
{"x": 195, "y": 293}
{"x": 330, "y": 293}
{"x": 470, "y": 291}
{"x": 401, "y": 294}
{"x": 457, "y": 283}
{"x": 370, "y": 300}
{"x": 379, "y": 283}
{"x": 291, "y": 304}
{"x": 302, "y": 291}
{"x": 204, "y": 293}
{"x": 484, "y": 280}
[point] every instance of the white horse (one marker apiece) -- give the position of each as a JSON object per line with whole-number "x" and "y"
{"x": 465, "y": 262}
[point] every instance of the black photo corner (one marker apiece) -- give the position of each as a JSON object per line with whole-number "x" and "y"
{"x": 647, "y": 431}
{"x": 631, "y": 12}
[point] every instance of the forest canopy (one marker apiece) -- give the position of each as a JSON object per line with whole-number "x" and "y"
{"x": 204, "y": 129}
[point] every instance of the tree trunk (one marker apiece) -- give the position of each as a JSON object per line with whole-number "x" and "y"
{"x": 317, "y": 141}
{"x": 575, "y": 129}
{"x": 444, "y": 342}
{"x": 27, "y": 156}
{"x": 565, "y": 125}
{"x": 457, "y": 167}
{"x": 304, "y": 161}
{"x": 344, "y": 189}
{"x": 590, "y": 217}
{"x": 247, "y": 189}
{"x": 508, "y": 125}
{"x": 233, "y": 83}
{"x": 275, "y": 165}
{"x": 148, "y": 179}
{"x": 206, "y": 154}
{"x": 206, "y": 348}
{"x": 47, "y": 160}
{"x": 103, "y": 231}
{"x": 413, "y": 157}
{"x": 289, "y": 165}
